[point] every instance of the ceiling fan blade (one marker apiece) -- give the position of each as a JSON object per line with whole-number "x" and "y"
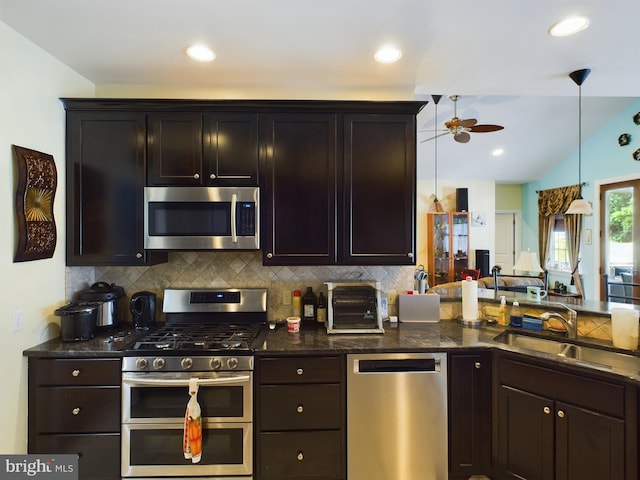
{"x": 461, "y": 122}
{"x": 462, "y": 137}
{"x": 436, "y": 136}
{"x": 485, "y": 128}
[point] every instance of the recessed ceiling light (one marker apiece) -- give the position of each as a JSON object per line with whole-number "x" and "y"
{"x": 387, "y": 55}
{"x": 569, "y": 26}
{"x": 201, "y": 53}
{"x": 497, "y": 152}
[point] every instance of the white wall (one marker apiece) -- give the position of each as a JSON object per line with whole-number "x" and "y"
{"x": 31, "y": 116}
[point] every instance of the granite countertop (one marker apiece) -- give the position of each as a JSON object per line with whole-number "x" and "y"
{"x": 445, "y": 335}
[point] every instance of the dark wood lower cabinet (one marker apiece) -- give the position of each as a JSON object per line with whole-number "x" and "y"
{"x": 74, "y": 407}
{"x": 555, "y": 424}
{"x": 469, "y": 414}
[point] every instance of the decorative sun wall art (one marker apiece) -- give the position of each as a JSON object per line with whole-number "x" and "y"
{"x": 37, "y": 182}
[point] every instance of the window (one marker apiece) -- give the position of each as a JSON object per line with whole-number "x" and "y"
{"x": 559, "y": 258}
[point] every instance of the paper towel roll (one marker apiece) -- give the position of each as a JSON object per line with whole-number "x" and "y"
{"x": 469, "y": 299}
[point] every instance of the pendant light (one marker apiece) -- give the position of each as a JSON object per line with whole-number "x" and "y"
{"x": 580, "y": 205}
{"x": 436, "y": 206}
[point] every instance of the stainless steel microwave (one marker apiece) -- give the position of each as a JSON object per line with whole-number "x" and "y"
{"x": 202, "y": 218}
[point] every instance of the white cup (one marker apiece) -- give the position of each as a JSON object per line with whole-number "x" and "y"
{"x": 535, "y": 293}
{"x": 293, "y": 324}
{"x": 624, "y": 328}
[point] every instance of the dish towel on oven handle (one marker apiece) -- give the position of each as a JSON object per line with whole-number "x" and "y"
{"x": 192, "y": 444}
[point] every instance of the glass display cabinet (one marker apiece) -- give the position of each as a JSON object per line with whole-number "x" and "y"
{"x": 447, "y": 246}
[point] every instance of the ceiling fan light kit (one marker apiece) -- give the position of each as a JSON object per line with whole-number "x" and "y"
{"x": 580, "y": 205}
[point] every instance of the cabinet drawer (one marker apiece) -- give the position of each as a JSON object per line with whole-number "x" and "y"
{"x": 590, "y": 393}
{"x": 300, "y": 370}
{"x": 300, "y": 407}
{"x": 70, "y": 371}
{"x": 313, "y": 455}
{"x": 99, "y": 455}
{"x": 76, "y": 409}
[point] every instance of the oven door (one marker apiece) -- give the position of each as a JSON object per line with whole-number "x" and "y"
{"x": 155, "y": 450}
{"x": 162, "y": 397}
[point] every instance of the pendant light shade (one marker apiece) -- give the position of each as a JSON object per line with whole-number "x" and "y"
{"x": 580, "y": 205}
{"x": 436, "y": 206}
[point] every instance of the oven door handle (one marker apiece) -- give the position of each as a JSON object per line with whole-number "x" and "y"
{"x": 179, "y": 382}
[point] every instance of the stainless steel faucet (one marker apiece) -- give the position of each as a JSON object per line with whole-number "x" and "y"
{"x": 570, "y": 322}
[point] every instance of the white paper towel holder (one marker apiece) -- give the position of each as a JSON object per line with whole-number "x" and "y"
{"x": 470, "y": 322}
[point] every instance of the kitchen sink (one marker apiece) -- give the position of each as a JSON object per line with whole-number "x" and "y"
{"x": 577, "y": 354}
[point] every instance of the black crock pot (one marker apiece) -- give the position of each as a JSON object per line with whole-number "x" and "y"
{"x": 78, "y": 321}
{"x": 111, "y": 300}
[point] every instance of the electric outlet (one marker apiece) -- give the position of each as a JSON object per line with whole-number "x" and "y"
{"x": 286, "y": 297}
{"x": 16, "y": 321}
{"x": 392, "y": 297}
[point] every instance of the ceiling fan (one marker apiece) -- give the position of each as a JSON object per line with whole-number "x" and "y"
{"x": 460, "y": 127}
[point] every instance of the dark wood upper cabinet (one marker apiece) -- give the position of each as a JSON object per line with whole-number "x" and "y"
{"x": 379, "y": 189}
{"x": 105, "y": 179}
{"x": 194, "y": 149}
{"x": 299, "y": 189}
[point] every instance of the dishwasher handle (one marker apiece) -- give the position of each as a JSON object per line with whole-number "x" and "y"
{"x": 398, "y": 365}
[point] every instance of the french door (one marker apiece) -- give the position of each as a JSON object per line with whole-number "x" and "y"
{"x": 620, "y": 236}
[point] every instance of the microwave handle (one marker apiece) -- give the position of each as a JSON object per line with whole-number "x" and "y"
{"x": 173, "y": 382}
{"x": 234, "y": 233}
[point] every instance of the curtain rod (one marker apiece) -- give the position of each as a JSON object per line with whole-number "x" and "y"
{"x": 583, "y": 184}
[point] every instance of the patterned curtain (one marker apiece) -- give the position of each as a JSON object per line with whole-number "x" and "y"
{"x": 550, "y": 203}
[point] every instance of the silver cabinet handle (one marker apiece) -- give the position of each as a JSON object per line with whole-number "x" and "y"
{"x": 477, "y": 365}
{"x": 212, "y": 176}
{"x": 269, "y": 255}
{"x": 546, "y": 410}
{"x": 75, "y": 373}
{"x": 299, "y": 371}
{"x": 300, "y": 456}
{"x": 300, "y": 409}
{"x": 196, "y": 176}
{"x": 410, "y": 255}
{"x": 560, "y": 413}
{"x": 138, "y": 255}
{"x": 76, "y": 411}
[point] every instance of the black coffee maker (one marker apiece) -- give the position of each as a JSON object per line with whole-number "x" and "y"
{"x": 143, "y": 309}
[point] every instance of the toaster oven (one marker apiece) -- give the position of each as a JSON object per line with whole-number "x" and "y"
{"x": 354, "y": 307}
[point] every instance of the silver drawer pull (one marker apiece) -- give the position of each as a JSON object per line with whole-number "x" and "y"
{"x": 75, "y": 373}
{"x": 560, "y": 413}
{"x": 299, "y": 371}
{"x": 76, "y": 411}
{"x": 478, "y": 365}
{"x": 300, "y": 409}
{"x": 546, "y": 410}
{"x": 300, "y": 456}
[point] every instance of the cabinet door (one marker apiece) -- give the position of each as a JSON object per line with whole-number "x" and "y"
{"x": 469, "y": 414}
{"x": 379, "y": 189}
{"x": 588, "y": 445}
{"x": 230, "y": 149}
{"x": 105, "y": 181}
{"x": 526, "y": 436}
{"x": 299, "y": 194}
{"x": 175, "y": 149}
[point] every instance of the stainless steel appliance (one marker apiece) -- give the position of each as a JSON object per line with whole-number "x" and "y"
{"x": 202, "y": 218}
{"x": 354, "y": 307}
{"x": 111, "y": 299}
{"x": 397, "y": 416}
{"x": 209, "y": 335}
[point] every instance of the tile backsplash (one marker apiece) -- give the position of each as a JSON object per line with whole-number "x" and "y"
{"x": 236, "y": 269}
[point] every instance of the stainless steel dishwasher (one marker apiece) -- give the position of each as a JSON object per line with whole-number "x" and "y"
{"x": 397, "y": 416}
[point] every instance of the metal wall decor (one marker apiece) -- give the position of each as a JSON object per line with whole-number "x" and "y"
{"x": 624, "y": 139}
{"x": 636, "y": 155}
{"x": 37, "y": 182}
{"x": 636, "y": 118}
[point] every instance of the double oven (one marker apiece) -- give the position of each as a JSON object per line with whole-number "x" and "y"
{"x": 208, "y": 336}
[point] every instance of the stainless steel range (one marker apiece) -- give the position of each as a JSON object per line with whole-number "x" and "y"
{"x": 209, "y": 335}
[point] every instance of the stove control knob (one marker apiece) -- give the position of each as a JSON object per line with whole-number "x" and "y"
{"x": 232, "y": 363}
{"x": 158, "y": 363}
{"x": 216, "y": 363}
{"x": 186, "y": 363}
{"x": 142, "y": 363}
